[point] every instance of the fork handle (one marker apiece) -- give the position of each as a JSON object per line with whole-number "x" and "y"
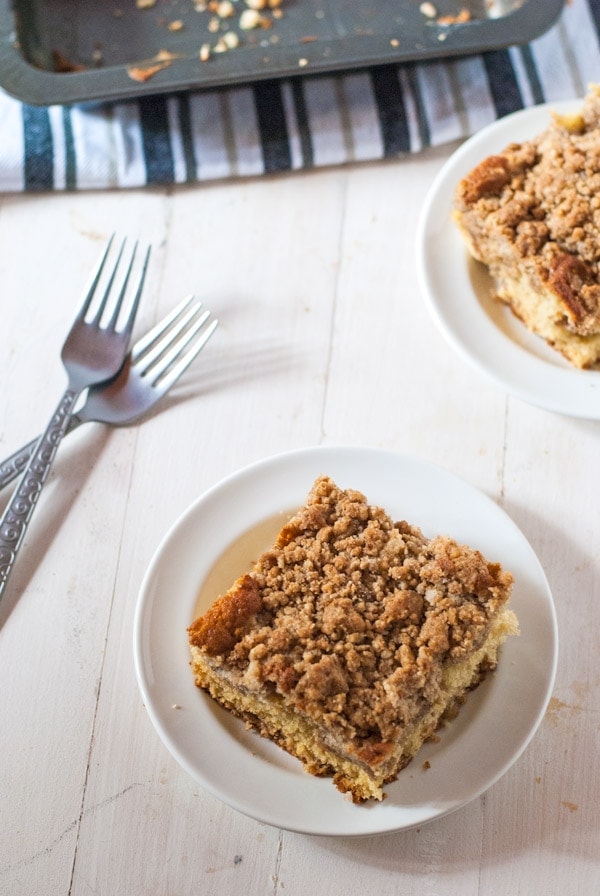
{"x": 17, "y": 515}
{"x": 13, "y": 466}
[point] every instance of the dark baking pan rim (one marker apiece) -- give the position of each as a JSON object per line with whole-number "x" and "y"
{"x": 38, "y": 86}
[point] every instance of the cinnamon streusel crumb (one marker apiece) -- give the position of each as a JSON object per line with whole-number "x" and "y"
{"x": 531, "y": 213}
{"x": 352, "y": 622}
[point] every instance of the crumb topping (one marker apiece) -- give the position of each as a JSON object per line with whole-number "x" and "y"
{"x": 539, "y": 201}
{"x": 351, "y": 617}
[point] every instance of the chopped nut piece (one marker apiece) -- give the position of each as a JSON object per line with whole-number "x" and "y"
{"x": 144, "y": 73}
{"x": 228, "y": 41}
{"x": 429, "y": 10}
{"x": 231, "y": 40}
{"x": 166, "y": 56}
{"x": 225, "y": 9}
{"x": 250, "y": 19}
{"x": 463, "y": 16}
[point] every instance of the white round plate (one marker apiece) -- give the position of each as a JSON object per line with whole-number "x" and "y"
{"x": 254, "y": 776}
{"x": 459, "y": 292}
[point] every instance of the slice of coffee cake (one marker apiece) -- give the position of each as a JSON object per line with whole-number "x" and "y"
{"x": 352, "y": 638}
{"x": 531, "y": 213}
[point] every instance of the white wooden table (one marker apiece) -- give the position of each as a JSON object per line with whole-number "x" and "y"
{"x": 322, "y": 329}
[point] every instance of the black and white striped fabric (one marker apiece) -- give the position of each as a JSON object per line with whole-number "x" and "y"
{"x": 293, "y": 124}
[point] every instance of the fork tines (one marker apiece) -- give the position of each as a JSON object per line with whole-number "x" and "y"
{"x": 127, "y": 269}
{"x": 170, "y": 347}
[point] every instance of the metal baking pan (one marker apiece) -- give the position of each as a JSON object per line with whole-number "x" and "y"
{"x": 72, "y": 51}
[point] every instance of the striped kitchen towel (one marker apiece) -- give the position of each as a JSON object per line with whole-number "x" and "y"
{"x": 296, "y": 123}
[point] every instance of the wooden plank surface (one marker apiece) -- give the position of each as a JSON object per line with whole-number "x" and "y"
{"x": 324, "y": 339}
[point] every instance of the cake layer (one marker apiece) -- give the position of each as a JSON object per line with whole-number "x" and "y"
{"x": 310, "y": 742}
{"x": 531, "y": 213}
{"x": 352, "y": 637}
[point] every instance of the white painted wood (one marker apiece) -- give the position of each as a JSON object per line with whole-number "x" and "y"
{"x": 324, "y": 338}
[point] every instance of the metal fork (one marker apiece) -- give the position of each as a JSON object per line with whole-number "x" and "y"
{"x": 93, "y": 352}
{"x": 155, "y": 363}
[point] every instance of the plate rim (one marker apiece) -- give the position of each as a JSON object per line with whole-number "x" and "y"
{"x": 265, "y": 465}
{"x": 559, "y": 389}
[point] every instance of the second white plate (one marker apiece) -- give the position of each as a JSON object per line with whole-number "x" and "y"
{"x": 254, "y": 776}
{"x": 460, "y": 296}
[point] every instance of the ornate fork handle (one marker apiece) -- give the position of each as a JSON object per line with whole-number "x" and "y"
{"x": 12, "y": 466}
{"x": 15, "y": 519}
{"x": 16, "y": 463}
